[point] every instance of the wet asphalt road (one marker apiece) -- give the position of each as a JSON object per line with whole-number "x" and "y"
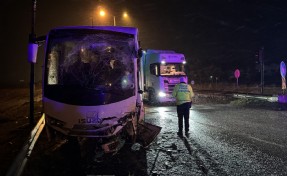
{"x": 224, "y": 140}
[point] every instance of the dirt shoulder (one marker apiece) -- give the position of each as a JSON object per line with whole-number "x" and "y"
{"x": 14, "y": 122}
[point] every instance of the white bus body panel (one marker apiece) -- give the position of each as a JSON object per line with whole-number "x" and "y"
{"x": 72, "y": 115}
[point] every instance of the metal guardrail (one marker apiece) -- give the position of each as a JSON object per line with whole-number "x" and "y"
{"x": 19, "y": 163}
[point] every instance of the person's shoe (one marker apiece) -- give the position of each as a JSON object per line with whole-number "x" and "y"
{"x": 187, "y": 134}
{"x": 179, "y": 134}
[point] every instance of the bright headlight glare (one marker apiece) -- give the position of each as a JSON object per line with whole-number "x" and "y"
{"x": 161, "y": 94}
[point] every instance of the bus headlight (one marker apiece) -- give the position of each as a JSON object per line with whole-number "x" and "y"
{"x": 161, "y": 94}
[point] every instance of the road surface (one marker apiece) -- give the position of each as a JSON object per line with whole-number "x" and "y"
{"x": 225, "y": 139}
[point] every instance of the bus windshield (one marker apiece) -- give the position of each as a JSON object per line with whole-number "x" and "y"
{"x": 89, "y": 61}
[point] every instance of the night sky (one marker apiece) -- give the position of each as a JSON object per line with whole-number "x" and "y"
{"x": 216, "y": 36}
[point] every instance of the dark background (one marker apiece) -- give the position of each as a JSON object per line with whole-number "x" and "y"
{"x": 216, "y": 36}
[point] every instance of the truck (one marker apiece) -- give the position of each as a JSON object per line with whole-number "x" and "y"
{"x": 162, "y": 70}
{"x": 91, "y": 86}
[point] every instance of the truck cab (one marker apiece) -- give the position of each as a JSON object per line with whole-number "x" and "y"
{"x": 162, "y": 70}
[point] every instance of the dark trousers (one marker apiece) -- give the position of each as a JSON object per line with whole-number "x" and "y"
{"x": 183, "y": 113}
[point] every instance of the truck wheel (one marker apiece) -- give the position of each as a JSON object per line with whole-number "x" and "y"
{"x": 151, "y": 97}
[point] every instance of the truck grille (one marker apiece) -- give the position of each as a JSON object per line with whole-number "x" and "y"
{"x": 170, "y": 88}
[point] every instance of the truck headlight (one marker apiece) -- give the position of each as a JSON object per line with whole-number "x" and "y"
{"x": 161, "y": 94}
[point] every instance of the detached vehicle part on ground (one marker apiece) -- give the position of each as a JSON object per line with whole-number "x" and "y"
{"x": 91, "y": 85}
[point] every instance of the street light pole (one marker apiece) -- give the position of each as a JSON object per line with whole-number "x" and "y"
{"x": 32, "y": 37}
{"x": 114, "y": 20}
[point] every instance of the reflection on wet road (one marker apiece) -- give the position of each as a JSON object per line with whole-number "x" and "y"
{"x": 224, "y": 140}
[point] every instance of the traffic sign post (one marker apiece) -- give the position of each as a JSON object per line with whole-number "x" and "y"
{"x": 283, "y": 74}
{"x": 237, "y": 75}
{"x": 282, "y": 98}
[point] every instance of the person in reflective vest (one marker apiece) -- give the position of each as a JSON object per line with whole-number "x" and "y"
{"x": 183, "y": 93}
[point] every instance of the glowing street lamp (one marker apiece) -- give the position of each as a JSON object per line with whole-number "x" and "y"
{"x": 102, "y": 13}
{"x": 125, "y": 15}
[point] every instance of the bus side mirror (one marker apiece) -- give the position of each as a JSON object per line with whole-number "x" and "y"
{"x": 32, "y": 52}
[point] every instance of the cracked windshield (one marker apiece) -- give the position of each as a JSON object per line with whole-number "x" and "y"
{"x": 95, "y": 61}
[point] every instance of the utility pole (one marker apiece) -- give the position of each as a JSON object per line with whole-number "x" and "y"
{"x": 261, "y": 60}
{"x": 32, "y": 38}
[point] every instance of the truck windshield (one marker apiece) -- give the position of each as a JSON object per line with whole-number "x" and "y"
{"x": 172, "y": 69}
{"x": 84, "y": 65}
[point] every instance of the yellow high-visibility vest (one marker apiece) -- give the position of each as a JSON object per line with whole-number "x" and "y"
{"x": 183, "y": 93}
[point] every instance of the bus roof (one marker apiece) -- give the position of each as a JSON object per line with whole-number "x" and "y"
{"x": 159, "y": 51}
{"x": 129, "y": 30}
